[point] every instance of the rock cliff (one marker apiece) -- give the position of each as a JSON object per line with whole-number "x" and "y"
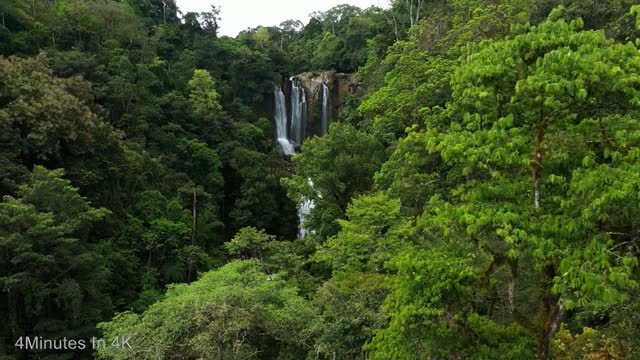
{"x": 340, "y": 87}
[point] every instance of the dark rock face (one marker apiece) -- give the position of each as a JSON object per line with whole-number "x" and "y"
{"x": 340, "y": 86}
{"x": 345, "y": 85}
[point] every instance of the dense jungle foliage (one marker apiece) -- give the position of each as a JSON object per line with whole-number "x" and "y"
{"x": 480, "y": 199}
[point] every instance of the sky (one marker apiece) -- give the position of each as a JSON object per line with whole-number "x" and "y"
{"x": 238, "y": 15}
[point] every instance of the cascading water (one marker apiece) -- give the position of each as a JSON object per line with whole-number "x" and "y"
{"x": 304, "y": 209}
{"x": 298, "y": 112}
{"x": 326, "y": 109}
{"x": 280, "y": 115}
{"x": 288, "y": 143}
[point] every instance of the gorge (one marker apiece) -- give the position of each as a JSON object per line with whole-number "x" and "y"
{"x": 429, "y": 180}
{"x": 307, "y": 92}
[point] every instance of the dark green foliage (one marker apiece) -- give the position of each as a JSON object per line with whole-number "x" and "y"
{"x": 53, "y": 273}
{"x": 475, "y": 198}
{"x": 611, "y": 16}
{"x": 349, "y": 304}
{"x": 44, "y": 117}
{"x": 235, "y": 312}
{"x": 154, "y": 118}
{"x": 333, "y": 169}
{"x": 535, "y": 191}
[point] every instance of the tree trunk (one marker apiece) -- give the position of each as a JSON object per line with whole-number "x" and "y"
{"x": 189, "y": 271}
{"x": 418, "y": 8}
{"x": 164, "y": 12}
{"x": 395, "y": 28}
{"x": 513, "y": 266}
{"x": 33, "y": 11}
{"x": 392, "y": 20}
{"x": 414, "y": 18}
{"x": 194, "y": 215}
{"x": 551, "y": 326}
{"x": 193, "y": 229}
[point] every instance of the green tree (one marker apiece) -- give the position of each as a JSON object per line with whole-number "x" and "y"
{"x": 283, "y": 257}
{"x": 205, "y": 106}
{"x": 535, "y": 129}
{"x": 331, "y": 170}
{"x": 44, "y": 117}
{"x": 373, "y": 232}
{"x": 201, "y": 164}
{"x": 429, "y": 311}
{"x": 349, "y": 304}
{"x": 235, "y": 312}
{"x": 413, "y": 174}
{"x": 248, "y": 243}
{"x": 611, "y": 16}
{"x": 261, "y": 201}
{"x": 324, "y": 56}
{"x": 53, "y": 275}
{"x": 419, "y": 69}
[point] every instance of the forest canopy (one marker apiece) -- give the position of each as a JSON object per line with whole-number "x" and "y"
{"x": 473, "y": 191}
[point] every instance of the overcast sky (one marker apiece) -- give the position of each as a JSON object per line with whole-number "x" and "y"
{"x": 237, "y": 15}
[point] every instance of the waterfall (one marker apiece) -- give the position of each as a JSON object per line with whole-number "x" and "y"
{"x": 280, "y": 115}
{"x": 304, "y": 209}
{"x": 288, "y": 143}
{"x": 298, "y": 123}
{"x": 326, "y": 109}
{"x": 298, "y": 112}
